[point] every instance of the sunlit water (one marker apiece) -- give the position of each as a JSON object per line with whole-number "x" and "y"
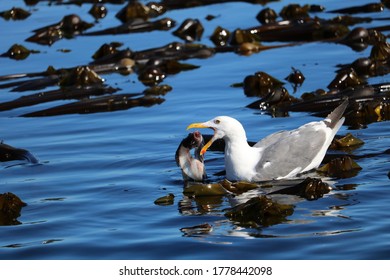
{"x": 92, "y": 194}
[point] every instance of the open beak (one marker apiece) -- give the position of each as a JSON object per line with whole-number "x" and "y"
{"x": 208, "y": 144}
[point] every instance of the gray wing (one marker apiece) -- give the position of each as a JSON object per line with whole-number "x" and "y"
{"x": 288, "y": 151}
{"x": 271, "y": 139}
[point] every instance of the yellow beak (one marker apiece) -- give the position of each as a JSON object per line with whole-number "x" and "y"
{"x": 196, "y": 125}
{"x": 208, "y": 144}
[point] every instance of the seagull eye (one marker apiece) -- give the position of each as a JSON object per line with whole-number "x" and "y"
{"x": 217, "y": 121}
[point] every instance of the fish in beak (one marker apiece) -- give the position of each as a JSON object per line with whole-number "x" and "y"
{"x": 204, "y": 125}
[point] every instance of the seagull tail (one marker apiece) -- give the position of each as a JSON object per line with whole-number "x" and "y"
{"x": 332, "y": 120}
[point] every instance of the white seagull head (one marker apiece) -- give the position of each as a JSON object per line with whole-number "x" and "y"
{"x": 224, "y": 128}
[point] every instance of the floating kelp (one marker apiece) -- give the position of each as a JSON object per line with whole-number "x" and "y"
{"x": 369, "y": 103}
{"x": 381, "y": 52}
{"x": 310, "y": 188}
{"x": 10, "y": 207}
{"x": 260, "y": 211}
{"x": 275, "y": 100}
{"x": 107, "y": 49}
{"x": 59, "y": 94}
{"x": 179, "y": 4}
{"x": 35, "y": 84}
{"x": 134, "y": 26}
{"x": 267, "y": 16}
{"x": 295, "y": 12}
{"x": 367, "y": 8}
{"x": 344, "y": 167}
{"x": 174, "y": 51}
{"x": 15, "y": 14}
{"x": 347, "y": 78}
{"x": 348, "y": 141}
{"x": 240, "y": 36}
{"x": 260, "y": 84}
{"x": 369, "y": 111}
{"x": 158, "y": 90}
{"x": 98, "y": 11}
{"x": 197, "y": 230}
{"x": 165, "y": 200}
{"x": 18, "y": 52}
{"x": 190, "y": 30}
{"x": 350, "y": 20}
{"x": 101, "y": 104}
{"x": 136, "y": 10}
{"x": 9, "y": 153}
{"x": 112, "y": 58}
{"x": 239, "y": 187}
{"x": 70, "y": 77}
{"x": 155, "y": 70}
{"x": 151, "y": 76}
{"x": 76, "y": 2}
{"x": 296, "y": 78}
{"x": 68, "y": 27}
{"x": 80, "y": 76}
{"x": 306, "y": 30}
{"x": 220, "y": 36}
{"x": 250, "y": 48}
{"x": 358, "y": 39}
{"x": 48, "y": 72}
{"x": 196, "y": 189}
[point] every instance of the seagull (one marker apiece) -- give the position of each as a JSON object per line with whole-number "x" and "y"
{"x": 281, "y": 155}
{"x": 192, "y": 167}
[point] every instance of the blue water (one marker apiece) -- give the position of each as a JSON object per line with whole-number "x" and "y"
{"x": 92, "y": 194}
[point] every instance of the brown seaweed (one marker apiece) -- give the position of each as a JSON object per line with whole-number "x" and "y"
{"x": 367, "y": 8}
{"x": 135, "y": 10}
{"x": 260, "y": 211}
{"x": 348, "y": 141}
{"x": 220, "y": 36}
{"x": 174, "y": 51}
{"x": 98, "y": 11}
{"x": 196, "y": 189}
{"x": 310, "y": 188}
{"x": 134, "y": 26}
{"x": 190, "y": 30}
{"x": 307, "y": 30}
{"x": 165, "y": 200}
{"x": 296, "y": 78}
{"x": 15, "y": 14}
{"x": 267, "y": 16}
{"x": 10, "y": 207}
{"x": 68, "y": 27}
{"x": 295, "y": 12}
{"x": 107, "y": 49}
{"x": 358, "y": 39}
{"x": 59, "y": 94}
{"x": 239, "y": 187}
{"x": 179, "y": 4}
{"x": 80, "y": 76}
{"x": 277, "y": 98}
{"x": 260, "y": 84}
{"x": 344, "y": 167}
{"x": 18, "y": 52}
{"x": 102, "y": 104}
{"x": 9, "y": 153}
{"x": 347, "y": 78}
